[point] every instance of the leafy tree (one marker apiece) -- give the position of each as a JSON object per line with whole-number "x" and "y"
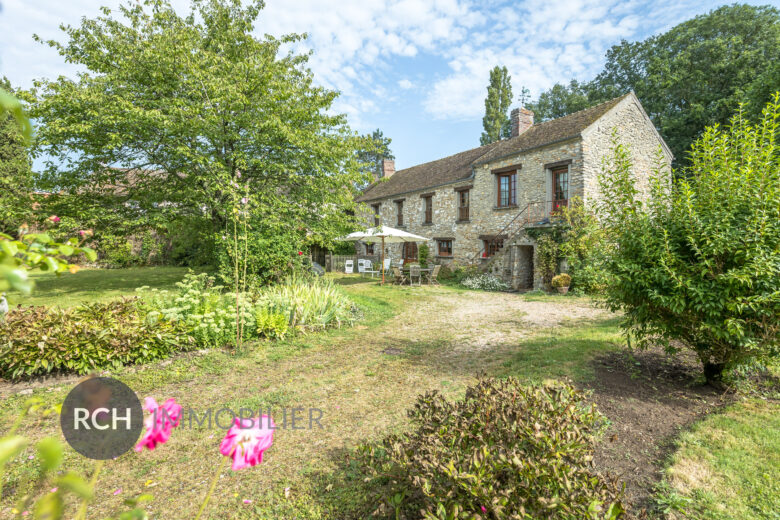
{"x": 374, "y": 149}
{"x": 202, "y": 113}
{"x": 562, "y": 100}
{"x": 693, "y": 75}
{"x": 15, "y": 172}
{"x": 499, "y": 97}
{"x": 698, "y": 265}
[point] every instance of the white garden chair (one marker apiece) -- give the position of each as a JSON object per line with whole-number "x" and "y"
{"x": 368, "y": 267}
{"x": 387, "y": 264}
{"x": 349, "y": 266}
{"x": 361, "y": 266}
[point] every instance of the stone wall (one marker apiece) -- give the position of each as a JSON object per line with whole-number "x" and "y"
{"x": 533, "y": 185}
{"x": 636, "y": 131}
{"x": 584, "y": 157}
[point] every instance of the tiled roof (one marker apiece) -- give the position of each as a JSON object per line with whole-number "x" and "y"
{"x": 428, "y": 175}
{"x": 458, "y": 167}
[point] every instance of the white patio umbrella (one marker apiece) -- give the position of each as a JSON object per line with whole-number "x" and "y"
{"x": 383, "y": 234}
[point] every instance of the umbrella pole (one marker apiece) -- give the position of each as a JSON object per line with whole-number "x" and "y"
{"x": 383, "y": 260}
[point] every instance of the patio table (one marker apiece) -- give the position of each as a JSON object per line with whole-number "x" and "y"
{"x": 423, "y": 270}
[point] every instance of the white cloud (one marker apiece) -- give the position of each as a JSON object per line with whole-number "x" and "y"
{"x": 539, "y": 41}
{"x": 358, "y": 43}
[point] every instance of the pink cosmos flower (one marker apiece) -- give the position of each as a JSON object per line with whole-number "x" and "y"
{"x": 244, "y": 200}
{"x": 246, "y": 441}
{"x": 54, "y": 218}
{"x": 161, "y": 421}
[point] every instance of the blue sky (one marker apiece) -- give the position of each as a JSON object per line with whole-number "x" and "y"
{"x": 416, "y": 69}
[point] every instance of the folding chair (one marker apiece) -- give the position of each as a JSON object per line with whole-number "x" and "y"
{"x": 434, "y": 275}
{"x": 398, "y": 277}
{"x": 349, "y": 266}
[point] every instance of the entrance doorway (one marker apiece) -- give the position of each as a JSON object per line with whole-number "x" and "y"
{"x": 524, "y": 265}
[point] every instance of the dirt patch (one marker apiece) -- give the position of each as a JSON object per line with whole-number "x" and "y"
{"x": 649, "y": 397}
{"x": 482, "y": 321}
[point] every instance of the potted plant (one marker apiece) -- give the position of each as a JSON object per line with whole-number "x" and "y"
{"x": 561, "y": 282}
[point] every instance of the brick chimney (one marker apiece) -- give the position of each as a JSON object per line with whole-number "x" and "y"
{"x": 521, "y": 120}
{"x": 388, "y": 167}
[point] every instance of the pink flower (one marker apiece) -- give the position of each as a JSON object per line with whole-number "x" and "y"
{"x": 244, "y": 200}
{"x": 247, "y": 501}
{"x": 246, "y": 441}
{"x": 117, "y": 491}
{"x": 161, "y": 421}
{"x": 483, "y": 509}
{"x": 54, "y": 218}
{"x": 300, "y": 253}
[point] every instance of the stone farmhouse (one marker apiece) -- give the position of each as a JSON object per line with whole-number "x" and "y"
{"x": 478, "y": 205}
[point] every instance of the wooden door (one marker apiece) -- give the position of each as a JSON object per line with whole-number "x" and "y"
{"x": 410, "y": 252}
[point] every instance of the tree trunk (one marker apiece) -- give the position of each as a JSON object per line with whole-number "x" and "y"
{"x": 713, "y": 372}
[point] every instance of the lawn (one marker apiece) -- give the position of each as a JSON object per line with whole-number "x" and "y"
{"x": 95, "y": 285}
{"x": 728, "y": 465}
{"x": 363, "y": 378}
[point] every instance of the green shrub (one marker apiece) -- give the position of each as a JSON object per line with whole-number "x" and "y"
{"x": 423, "y": 253}
{"x": 484, "y": 282}
{"x": 578, "y": 239}
{"x": 547, "y": 256}
{"x": 504, "y": 451}
{"x": 204, "y": 308}
{"x": 208, "y": 312}
{"x": 309, "y": 303}
{"x": 41, "y": 340}
{"x": 271, "y": 251}
{"x": 584, "y": 247}
{"x": 272, "y": 325}
{"x": 698, "y": 264}
{"x": 116, "y": 251}
{"x": 454, "y": 272}
{"x": 561, "y": 280}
